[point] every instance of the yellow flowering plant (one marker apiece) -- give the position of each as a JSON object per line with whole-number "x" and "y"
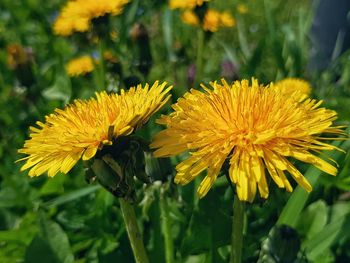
{"x": 257, "y": 159}
{"x": 290, "y": 86}
{"x": 76, "y": 16}
{"x": 99, "y": 130}
{"x": 80, "y": 66}
{"x": 213, "y": 20}
{"x": 254, "y": 128}
{"x": 186, "y": 4}
{"x": 85, "y": 127}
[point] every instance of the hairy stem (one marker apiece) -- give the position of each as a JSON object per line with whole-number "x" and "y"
{"x": 134, "y": 234}
{"x": 237, "y": 231}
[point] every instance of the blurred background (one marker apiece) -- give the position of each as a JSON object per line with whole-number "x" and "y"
{"x": 66, "y": 219}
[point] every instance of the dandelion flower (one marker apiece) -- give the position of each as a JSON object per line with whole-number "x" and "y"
{"x": 77, "y": 15}
{"x": 84, "y": 127}
{"x": 189, "y": 17}
{"x": 290, "y": 86}
{"x": 185, "y": 4}
{"x": 213, "y": 20}
{"x": 254, "y": 128}
{"x": 80, "y": 66}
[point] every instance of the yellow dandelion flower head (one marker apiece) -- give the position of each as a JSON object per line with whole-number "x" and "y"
{"x": 80, "y": 66}
{"x": 185, "y": 4}
{"x": 189, "y": 17}
{"x": 252, "y": 127}
{"x": 84, "y": 127}
{"x": 76, "y": 16}
{"x": 213, "y": 20}
{"x": 290, "y": 86}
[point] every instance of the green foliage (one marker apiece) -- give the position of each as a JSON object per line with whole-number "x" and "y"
{"x": 65, "y": 219}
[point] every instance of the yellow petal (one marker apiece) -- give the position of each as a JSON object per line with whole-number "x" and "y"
{"x": 89, "y": 153}
{"x": 316, "y": 161}
{"x": 273, "y": 173}
{"x": 69, "y": 162}
{"x": 299, "y": 178}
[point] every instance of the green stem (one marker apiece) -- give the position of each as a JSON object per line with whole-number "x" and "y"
{"x": 166, "y": 227}
{"x": 199, "y": 58}
{"x": 237, "y": 231}
{"x": 102, "y": 75}
{"x": 134, "y": 234}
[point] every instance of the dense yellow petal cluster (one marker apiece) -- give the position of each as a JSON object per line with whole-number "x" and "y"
{"x": 290, "y": 86}
{"x": 80, "y": 66}
{"x": 185, "y": 4}
{"x": 255, "y": 128}
{"x": 76, "y": 15}
{"x": 84, "y": 127}
{"x": 213, "y": 20}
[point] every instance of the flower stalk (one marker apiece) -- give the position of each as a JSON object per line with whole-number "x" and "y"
{"x": 199, "y": 58}
{"x": 166, "y": 227}
{"x": 133, "y": 231}
{"x": 237, "y": 231}
{"x": 102, "y": 70}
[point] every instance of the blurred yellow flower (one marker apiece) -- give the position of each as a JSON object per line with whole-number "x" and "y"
{"x": 110, "y": 57}
{"x": 80, "y": 66}
{"x": 213, "y": 20}
{"x": 86, "y": 126}
{"x": 185, "y": 4}
{"x": 114, "y": 35}
{"x": 76, "y": 16}
{"x": 290, "y": 86}
{"x": 16, "y": 55}
{"x": 253, "y": 128}
{"x": 189, "y": 17}
{"x": 242, "y": 9}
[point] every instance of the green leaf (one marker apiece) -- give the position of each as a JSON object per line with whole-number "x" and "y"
{"x": 50, "y": 245}
{"x": 72, "y": 196}
{"x": 168, "y": 33}
{"x": 208, "y": 230}
{"x": 39, "y": 251}
{"x": 24, "y": 233}
{"x": 316, "y": 246}
{"x": 61, "y": 89}
{"x": 243, "y": 42}
{"x": 313, "y": 219}
{"x": 53, "y": 185}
